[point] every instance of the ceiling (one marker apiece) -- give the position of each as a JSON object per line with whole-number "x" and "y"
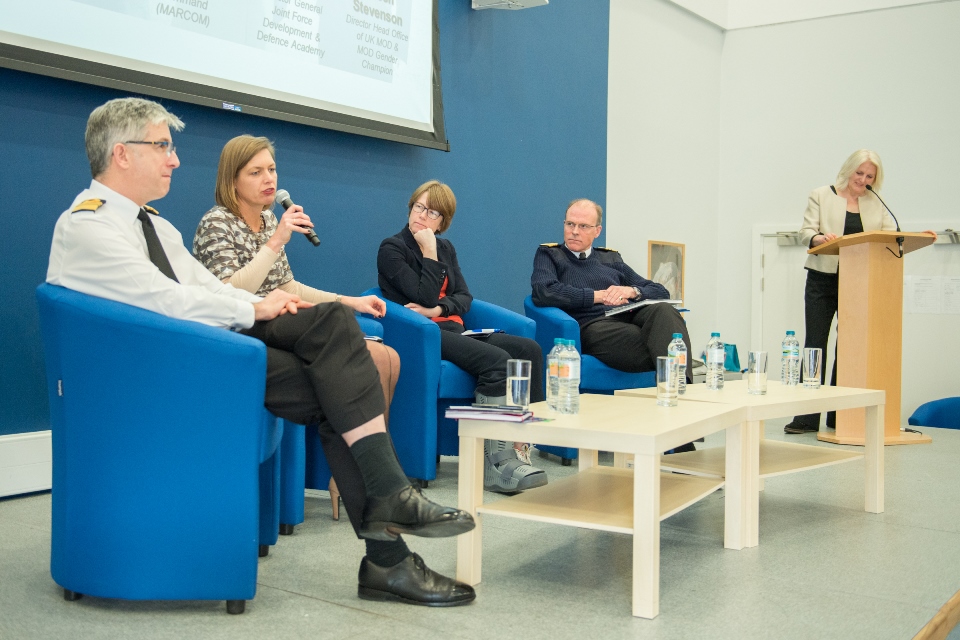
{"x": 740, "y": 14}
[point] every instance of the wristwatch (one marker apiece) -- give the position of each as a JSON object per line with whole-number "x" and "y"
{"x": 639, "y": 295}
{"x": 338, "y": 298}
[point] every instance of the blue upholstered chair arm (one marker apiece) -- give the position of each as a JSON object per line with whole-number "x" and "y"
{"x": 485, "y": 315}
{"x": 413, "y": 420}
{"x": 369, "y": 326}
{"x": 551, "y": 323}
{"x": 146, "y": 359}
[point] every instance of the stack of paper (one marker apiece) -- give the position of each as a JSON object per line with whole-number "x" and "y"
{"x": 499, "y": 413}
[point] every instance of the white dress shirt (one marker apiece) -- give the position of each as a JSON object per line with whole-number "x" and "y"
{"x": 104, "y": 253}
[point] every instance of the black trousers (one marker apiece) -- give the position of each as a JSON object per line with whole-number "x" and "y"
{"x": 820, "y": 299}
{"x": 486, "y": 358}
{"x": 320, "y": 372}
{"x": 632, "y": 341}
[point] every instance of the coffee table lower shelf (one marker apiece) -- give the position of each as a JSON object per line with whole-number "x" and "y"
{"x": 600, "y": 498}
{"x": 776, "y": 458}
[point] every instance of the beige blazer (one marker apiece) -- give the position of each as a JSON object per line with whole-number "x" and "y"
{"x": 827, "y": 212}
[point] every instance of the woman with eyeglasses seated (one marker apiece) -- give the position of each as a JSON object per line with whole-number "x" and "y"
{"x": 241, "y": 242}
{"x": 420, "y": 271}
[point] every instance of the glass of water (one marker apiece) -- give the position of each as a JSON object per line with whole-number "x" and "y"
{"x": 757, "y": 373}
{"x": 812, "y": 363}
{"x": 667, "y": 381}
{"x": 518, "y": 383}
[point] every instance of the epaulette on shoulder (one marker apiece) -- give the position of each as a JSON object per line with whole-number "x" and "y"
{"x": 606, "y": 249}
{"x": 89, "y": 205}
{"x": 151, "y": 210}
{"x": 550, "y": 245}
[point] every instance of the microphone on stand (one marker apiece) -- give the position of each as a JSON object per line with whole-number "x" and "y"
{"x": 897, "y": 222}
{"x": 282, "y": 198}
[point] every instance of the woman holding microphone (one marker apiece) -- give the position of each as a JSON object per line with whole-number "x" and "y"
{"x": 241, "y": 242}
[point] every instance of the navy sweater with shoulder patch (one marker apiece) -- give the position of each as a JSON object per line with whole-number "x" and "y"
{"x": 560, "y": 279}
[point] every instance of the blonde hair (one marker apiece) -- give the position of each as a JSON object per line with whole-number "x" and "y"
{"x": 234, "y": 157}
{"x": 439, "y": 198}
{"x": 856, "y": 159}
{"x": 587, "y": 201}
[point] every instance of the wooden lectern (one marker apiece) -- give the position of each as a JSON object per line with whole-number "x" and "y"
{"x": 870, "y": 322}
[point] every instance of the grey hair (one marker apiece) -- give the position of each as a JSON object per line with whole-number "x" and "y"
{"x": 118, "y": 121}
{"x": 588, "y": 201}
{"x": 852, "y": 163}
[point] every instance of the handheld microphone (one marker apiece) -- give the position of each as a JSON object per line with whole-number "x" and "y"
{"x": 895, "y": 221}
{"x": 282, "y": 198}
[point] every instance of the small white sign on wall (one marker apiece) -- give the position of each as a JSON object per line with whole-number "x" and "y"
{"x": 921, "y": 294}
{"x": 950, "y": 295}
{"x": 931, "y": 294}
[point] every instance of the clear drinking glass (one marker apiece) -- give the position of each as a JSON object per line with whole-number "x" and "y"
{"x": 812, "y": 362}
{"x": 667, "y": 381}
{"x": 757, "y": 373}
{"x": 518, "y": 383}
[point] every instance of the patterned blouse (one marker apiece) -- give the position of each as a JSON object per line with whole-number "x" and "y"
{"x": 224, "y": 244}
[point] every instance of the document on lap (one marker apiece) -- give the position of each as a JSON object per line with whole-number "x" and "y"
{"x": 612, "y": 311}
{"x": 480, "y": 333}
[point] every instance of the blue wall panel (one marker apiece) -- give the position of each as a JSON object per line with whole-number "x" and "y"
{"x": 525, "y": 103}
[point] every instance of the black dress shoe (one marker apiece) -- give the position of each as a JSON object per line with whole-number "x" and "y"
{"x": 413, "y": 582}
{"x": 800, "y": 427}
{"x": 408, "y": 511}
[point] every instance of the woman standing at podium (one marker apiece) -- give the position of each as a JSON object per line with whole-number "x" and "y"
{"x": 845, "y": 207}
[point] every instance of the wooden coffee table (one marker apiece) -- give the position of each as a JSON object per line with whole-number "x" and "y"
{"x": 768, "y": 458}
{"x": 619, "y": 500}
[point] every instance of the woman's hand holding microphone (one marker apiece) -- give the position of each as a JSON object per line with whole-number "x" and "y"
{"x": 293, "y": 220}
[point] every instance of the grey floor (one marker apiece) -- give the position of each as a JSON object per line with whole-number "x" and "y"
{"x": 824, "y": 569}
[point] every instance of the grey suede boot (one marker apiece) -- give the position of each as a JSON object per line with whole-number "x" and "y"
{"x": 504, "y": 470}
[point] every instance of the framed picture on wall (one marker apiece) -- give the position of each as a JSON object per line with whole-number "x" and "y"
{"x": 665, "y": 265}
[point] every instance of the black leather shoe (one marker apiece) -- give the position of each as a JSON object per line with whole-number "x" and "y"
{"x": 799, "y": 427}
{"x": 408, "y": 511}
{"x": 413, "y": 582}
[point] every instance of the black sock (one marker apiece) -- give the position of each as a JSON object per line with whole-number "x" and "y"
{"x": 387, "y": 554}
{"x": 381, "y": 471}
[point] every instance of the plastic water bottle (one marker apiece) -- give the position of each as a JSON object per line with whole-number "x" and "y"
{"x": 568, "y": 377}
{"x": 677, "y": 349}
{"x": 553, "y": 371}
{"x": 790, "y": 363}
{"x": 715, "y": 356}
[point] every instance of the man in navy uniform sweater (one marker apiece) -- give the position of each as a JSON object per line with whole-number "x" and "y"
{"x": 585, "y": 281}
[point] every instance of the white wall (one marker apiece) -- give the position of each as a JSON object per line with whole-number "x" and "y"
{"x": 797, "y": 98}
{"x": 713, "y": 10}
{"x": 663, "y": 143}
{"x": 712, "y": 135}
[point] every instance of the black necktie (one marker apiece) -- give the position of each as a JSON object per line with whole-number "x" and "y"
{"x": 154, "y": 248}
{"x": 583, "y": 255}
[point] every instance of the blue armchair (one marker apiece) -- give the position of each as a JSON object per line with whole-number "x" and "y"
{"x": 304, "y": 463}
{"x": 595, "y": 377}
{"x": 428, "y": 385}
{"x": 165, "y": 463}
